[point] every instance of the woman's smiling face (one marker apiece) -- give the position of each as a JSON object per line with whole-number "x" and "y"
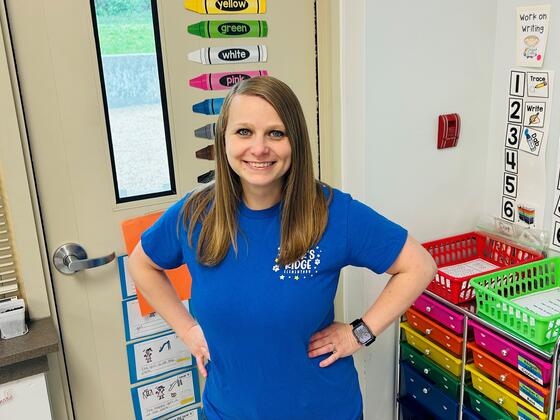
{"x": 257, "y": 147}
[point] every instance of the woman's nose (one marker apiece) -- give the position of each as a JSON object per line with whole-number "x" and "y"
{"x": 258, "y": 145}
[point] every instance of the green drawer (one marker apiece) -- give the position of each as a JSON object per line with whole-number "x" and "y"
{"x": 483, "y": 407}
{"x": 443, "y": 379}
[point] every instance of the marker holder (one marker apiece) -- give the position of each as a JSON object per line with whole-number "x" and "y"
{"x": 12, "y": 318}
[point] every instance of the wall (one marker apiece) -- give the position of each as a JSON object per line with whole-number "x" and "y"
{"x": 504, "y": 59}
{"x": 409, "y": 63}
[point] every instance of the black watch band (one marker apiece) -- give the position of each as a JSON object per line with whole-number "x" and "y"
{"x": 361, "y": 331}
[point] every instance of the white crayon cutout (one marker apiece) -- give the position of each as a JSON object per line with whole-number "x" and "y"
{"x": 227, "y": 55}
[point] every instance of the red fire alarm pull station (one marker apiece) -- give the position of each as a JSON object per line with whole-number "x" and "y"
{"x": 449, "y": 126}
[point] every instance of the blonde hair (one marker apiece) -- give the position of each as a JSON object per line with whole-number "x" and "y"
{"x": 305, "y": 207}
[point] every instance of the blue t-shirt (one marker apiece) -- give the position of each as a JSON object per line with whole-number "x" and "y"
{"x": 258, "y": 316}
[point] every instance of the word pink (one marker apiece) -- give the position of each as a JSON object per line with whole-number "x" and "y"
{"x": 221, "y": 81}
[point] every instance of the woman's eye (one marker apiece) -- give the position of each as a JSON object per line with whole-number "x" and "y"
{"x": 244, "y": 132}
{"x": 277, "y": 134}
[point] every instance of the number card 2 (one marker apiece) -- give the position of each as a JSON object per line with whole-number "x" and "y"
{"x": 515, "y": 113}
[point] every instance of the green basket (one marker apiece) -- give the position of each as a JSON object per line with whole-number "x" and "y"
{"x": 495, "y": 291}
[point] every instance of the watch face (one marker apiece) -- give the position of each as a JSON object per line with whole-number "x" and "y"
{"x": 362, "y": 334}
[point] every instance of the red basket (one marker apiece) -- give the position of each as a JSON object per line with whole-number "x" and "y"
{"x": 452, "y": 255}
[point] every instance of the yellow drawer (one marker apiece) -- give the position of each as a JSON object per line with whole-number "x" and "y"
{"x": 500, "y": 396}
{"x": 432, "y": 350}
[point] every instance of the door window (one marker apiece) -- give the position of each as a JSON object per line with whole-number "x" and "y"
{"x": 129, "y": 54}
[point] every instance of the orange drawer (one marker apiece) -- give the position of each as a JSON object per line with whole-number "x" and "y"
{"x": 435, "y": 332}
{"x": 520, "y": 384}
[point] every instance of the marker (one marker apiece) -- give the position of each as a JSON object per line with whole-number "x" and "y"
{"x": 206, "y": 153}
{"x": 229, "y": 29}
{"x": 206, "y": 132}
{"x": 226, "y": 55}
{"x": 206, "y": 177}
{"x": 209, "y": 106}
{"x": 219, "y": 7}
{"x": 221, "y": 81}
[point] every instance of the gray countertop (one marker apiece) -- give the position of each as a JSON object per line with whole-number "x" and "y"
{"x": 27, "y": 355}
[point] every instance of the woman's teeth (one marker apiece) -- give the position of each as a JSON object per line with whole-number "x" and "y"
{"x": 259, "y": 164}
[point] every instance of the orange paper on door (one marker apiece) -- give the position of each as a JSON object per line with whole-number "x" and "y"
{"x": 180, "y": 277}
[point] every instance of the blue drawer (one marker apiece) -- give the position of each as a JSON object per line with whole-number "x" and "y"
{"x": 468, "y": 414}
{"x": 411, "y": 410}
{"x": 427, "y": 394}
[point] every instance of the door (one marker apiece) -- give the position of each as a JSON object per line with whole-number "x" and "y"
{"x": 61, "y": 88}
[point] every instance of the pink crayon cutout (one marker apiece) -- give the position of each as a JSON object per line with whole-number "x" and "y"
{"x": 222, "y": 81}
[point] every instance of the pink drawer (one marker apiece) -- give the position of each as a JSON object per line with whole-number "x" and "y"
{"x": 525, "y": 362}
{"x": 439, "y": 313}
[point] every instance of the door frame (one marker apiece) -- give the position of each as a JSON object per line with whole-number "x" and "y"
{"x": 18, "y": 181}
{"x": 26, "y": 211}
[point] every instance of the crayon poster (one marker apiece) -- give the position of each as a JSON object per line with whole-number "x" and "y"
{"x": 525, "y": 138}
{"x": 165, "y": 396}
{"x": 155, "y": 356}
{"x": 532, "y": 34}
{"x": 137, "y": 326}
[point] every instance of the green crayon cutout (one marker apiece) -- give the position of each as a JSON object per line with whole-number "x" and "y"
{"x": 229, "y": 29}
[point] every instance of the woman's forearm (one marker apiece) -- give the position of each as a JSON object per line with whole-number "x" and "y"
{"x": 158, "y": 291}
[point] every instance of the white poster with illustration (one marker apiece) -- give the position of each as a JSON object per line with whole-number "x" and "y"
{"x": 155, "y": 356}
{"x": 165, "y": 396}
{"x": 528, "y": 117}
{"x": 532, "y": 33}
{"x": 555, "y": 238}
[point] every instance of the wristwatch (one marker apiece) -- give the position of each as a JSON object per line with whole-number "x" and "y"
{"x": 363, "y": 334}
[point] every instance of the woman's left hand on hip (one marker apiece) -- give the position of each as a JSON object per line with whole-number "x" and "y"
{"x": 336, "y": 339}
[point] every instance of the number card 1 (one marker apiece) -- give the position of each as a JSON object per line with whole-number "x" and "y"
{"x": 155, "y": 356}
{"x": 165, "y": 396}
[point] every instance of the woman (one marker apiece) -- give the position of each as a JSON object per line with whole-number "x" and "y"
{"x": 264, "y": 246}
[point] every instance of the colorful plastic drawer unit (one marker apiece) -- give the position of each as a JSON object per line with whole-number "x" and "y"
{"x": 502, "y": 397}
{"x": 447, "y": 382}
{"x": 523, "y": 299}
{"x": 430, "y": 329}
{"x": 525, "y": 362}
{"x": 427, "y": 394}
{"x": 519, "y": 384}
{"x": 461, "y": 257}
{"x": 484, "y": 408}
{"x": 451, "y": 320}
{"x": 432, "y": 351}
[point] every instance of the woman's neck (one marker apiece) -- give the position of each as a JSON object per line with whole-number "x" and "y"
{"x": 256, "y": 199}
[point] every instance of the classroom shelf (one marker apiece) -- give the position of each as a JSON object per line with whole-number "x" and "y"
{"x": 549, "y": 355}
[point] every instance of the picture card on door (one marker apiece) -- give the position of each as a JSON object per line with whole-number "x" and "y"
{"x": 180, "y": 277}
{"x": 195, "y": 414}
{"x": 164, "y": 396}
{"x": 156, "y": 356}
{"x": 138, "y": 326}
{"x": 128, "y": 289}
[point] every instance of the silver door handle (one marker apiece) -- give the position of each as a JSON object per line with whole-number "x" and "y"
{"x": 71, "y": 258}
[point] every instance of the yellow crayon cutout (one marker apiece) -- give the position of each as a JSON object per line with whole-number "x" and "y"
{"x": 540, "y": 85}
{"x": 221, "y": 7}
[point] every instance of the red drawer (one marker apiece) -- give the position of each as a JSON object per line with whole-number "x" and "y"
{"x": 433, "y": 331}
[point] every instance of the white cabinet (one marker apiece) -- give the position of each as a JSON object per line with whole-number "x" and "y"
{"x": 25, "y": 398}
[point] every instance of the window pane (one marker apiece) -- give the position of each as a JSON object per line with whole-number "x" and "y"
{"x": 134, "y": 97}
